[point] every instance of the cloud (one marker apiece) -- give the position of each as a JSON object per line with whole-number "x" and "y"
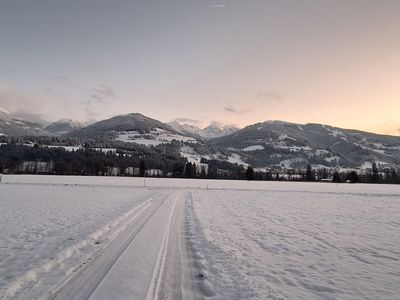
{"x": 217, "y": 6}
{"x": 32, "y": 117}
{"x": 270, "y": 95}
{"x": 215, "y": 124}
{"x": 15, "y": 101}
{"x": 102, "y": 94}
{"x": 91, "y": 116}
{"x": 187, "y": 120}
{"x": 234, "y": 110}
{"x": 41, "y": 106}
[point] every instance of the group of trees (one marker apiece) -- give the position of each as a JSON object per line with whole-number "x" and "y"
{"x": 374, "y": 175}
{"x": 86, "y": 161}
{"x": 89, "y": 161}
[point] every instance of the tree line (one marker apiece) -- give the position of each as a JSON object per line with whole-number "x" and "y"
{"x": 15, "y": 158}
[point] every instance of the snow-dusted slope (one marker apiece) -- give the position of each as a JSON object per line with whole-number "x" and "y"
{"x": 214, "y": 130}
{"x": 187, "y": 129}
{"x": 278, "y": 143}
{"x": 63, "y": 126}
{"x": 132, "y": 128}
{"x": 12, "y": 126}
{"x": 154, "y": 137}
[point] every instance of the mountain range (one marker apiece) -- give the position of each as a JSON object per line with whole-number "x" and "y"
{"x": 271, "y": 144}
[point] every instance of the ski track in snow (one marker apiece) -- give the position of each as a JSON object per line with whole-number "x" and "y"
{"x": 111, "y": 238}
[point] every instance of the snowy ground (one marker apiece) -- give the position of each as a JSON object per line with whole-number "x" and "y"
{"x": 300, "y": 245}
{"x": 114, "y": 238}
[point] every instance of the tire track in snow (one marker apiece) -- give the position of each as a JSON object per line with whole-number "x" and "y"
{"x": 84, "y": 282}
{"x": 158, "y": 272}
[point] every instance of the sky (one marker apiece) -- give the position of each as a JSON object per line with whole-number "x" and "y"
{"x": 233, "y": 61}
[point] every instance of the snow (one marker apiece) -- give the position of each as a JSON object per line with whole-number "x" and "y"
{"x": 378, "y": 145}
{"x": 288, "y": 162}
{"x": 253, "y": 148}
{"x": 381, "y": 146}
{"x": 332, "y": 158}
{"x": 234, "y": 158}
{"x": 366, "y": 165}
{"x": 70, "y": 122}
{"x": 318, "y": 166}
{"x": 191, "y": 155}
{"x": 283, "y": 137}
{"x": 378, "y": 151}
{"x": 106, "y": 150}
{"x": 335, "y": 132}
{"x": 279, "y": 122}
{"x": 108, "y": 237}
{"x": 381, "y": 163}
{"x": 283, "y": 145}
{"x": 156, "y": 137}
{"x": 214, "y": 130}
{"x": 299, "y": 245}
{"x": 43, "y": 228}
{"x": 66, "y": 148}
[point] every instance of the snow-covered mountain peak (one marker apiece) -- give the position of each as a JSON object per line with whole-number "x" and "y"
{"x": 214, "y": 130}
{"x": 63, "y": 126}
{"x": 72, "y": 123}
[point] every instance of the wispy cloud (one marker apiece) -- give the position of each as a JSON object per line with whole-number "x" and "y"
{"x": 103, "y": 93}
{"x": 33, "y": 117}
{"x": 270, "y": 95}
{"x": 14, "y": 100}
{"x": 236, "y": 111}
{"x": 217, "y": 6}
{"x": 29, "y": 106}
{"x": 100, "y": 95}
{"x": 91, "y": 115}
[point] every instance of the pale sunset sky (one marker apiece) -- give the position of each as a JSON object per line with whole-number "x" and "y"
{"x": 233, "y": 61}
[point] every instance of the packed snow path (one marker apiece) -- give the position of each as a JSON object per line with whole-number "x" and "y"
{"x": 136, "y": 255}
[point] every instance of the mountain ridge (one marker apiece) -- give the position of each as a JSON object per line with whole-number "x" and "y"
{"x": 268, "y": 144}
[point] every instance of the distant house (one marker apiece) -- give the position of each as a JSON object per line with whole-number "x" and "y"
{"x": 225, "y": 173}
{"x": 132, "y": 171}
{"x": 154, "y": 172}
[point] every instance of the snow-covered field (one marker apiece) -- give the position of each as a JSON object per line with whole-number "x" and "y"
{"x": 126, "y": 238}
